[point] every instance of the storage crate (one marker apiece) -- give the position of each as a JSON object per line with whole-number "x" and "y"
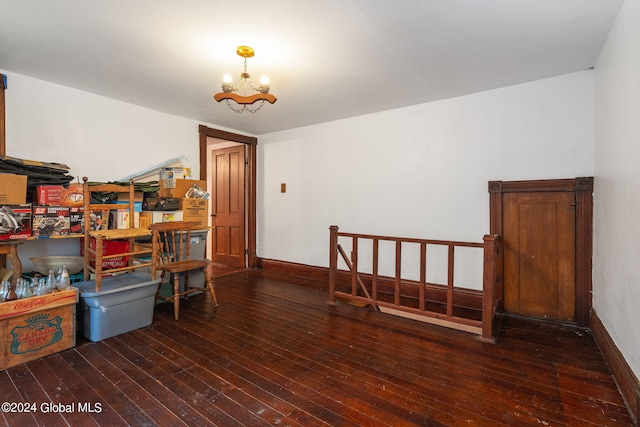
{"x": 125, "y": 303}
{"x": 38, "y": 326}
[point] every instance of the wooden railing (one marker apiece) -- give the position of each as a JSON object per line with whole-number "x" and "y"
{"x": 434, "y": 303}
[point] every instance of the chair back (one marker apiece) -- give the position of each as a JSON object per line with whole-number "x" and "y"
{"x": 172, "y": 241}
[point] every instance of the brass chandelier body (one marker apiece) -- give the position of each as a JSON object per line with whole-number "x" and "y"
{"x": 239, "y": 93}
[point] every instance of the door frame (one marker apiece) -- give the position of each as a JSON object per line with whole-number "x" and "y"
{"x": 250, "y": 180}
{"x": 583, "y": 189}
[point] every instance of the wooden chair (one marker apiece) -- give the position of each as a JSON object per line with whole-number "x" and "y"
{"x": 95, "y": 261}
{"x": 172, "y": 254}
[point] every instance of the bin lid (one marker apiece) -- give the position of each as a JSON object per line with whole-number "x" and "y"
{"x": 112, "y": 284}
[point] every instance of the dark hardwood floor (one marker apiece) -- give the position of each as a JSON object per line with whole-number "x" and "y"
{"x": 274, "y": 353}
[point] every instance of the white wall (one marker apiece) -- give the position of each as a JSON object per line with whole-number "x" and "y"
{"x": 616, "y": 281}
{"x": 97, "y": 137}
{"x": 420, "y": 171}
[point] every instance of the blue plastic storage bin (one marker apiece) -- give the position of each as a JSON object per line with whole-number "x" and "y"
{"x": 125, "y": 303}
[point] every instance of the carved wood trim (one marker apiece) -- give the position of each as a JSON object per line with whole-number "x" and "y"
{"x": 250, "y": 182}
{"x": 584, "y": 249}
{"x": 583, "y": 189}
{"x": 552, "y": 185}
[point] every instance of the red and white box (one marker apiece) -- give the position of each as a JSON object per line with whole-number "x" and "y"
{"x": 76, "y": 220}
{"x": 51, "y": 221}
{"x": 15, "y": 222}
{"x": 57, "y": 195}
{"x": 110, "y": 247}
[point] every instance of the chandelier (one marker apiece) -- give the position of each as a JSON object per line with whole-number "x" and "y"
{"x": 239, "y": 93}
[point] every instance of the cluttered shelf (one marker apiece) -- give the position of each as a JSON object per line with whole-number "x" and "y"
{"x": 37, "y": 209}
{"x": 108, "y": 224}
{"x": 67, "y": 236}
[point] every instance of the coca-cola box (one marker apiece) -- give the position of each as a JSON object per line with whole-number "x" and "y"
{"x": 34, "y": 327}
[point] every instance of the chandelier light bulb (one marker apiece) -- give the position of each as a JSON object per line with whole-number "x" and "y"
{"x": 264, "y": 84}
{"x": 227, "y": 83}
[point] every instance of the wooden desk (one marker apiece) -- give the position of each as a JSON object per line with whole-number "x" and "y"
{"x": 9, "y": 249}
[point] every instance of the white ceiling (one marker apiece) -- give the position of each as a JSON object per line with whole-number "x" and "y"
{"x": 327, "y": 59}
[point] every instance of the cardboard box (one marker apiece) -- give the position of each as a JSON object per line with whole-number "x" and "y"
{"x": 38, "y": 326}
{"x": 98, "y": 220}
{"x": 51, "y": 221}
{"x": 195, "y": 210}
{"x": 176, "y": 172}
{"x": 73, "y": 196}
{"x": 15, "y": 222}
{"x": 137, "y": 205}
{"x": 169, "y": 176}
{"x": 76, "y": 220}
{"x": 153, "y": 217}
{"x": 124, "y": 197}
{"x": 120, "y": 219}
{"x": 13, "y": 189}
{"x": 57, "y": 195}
{"x": 181, "y": 188}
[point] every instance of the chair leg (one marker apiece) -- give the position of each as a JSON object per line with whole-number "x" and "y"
{"x": 209, "y": 281}
{"x": 159, "y": 286}
{"x": 186, "y": 284}
{"x": 176, "y": 295}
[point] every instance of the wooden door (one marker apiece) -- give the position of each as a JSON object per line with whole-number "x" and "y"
{"x": 539, "y": 254}
{"x": 547, "y": 231}
{"x": 228, "y": 206}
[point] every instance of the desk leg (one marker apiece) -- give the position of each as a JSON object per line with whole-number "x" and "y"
{"x": 16, "y": 265}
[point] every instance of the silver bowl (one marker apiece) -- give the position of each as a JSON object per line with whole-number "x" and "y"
{"x": 43, "y": 264}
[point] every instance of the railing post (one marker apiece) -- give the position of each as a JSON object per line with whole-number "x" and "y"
{"x": 333, "y": 262}
{"x": 489, "y": 278}
{"x": 450, "y": 279}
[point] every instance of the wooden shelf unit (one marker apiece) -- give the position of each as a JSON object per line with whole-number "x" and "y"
{"x": 130, "y": 234}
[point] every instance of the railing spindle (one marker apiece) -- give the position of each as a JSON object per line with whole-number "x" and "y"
{"x": 396, "y": 298}
{"x": 450, "y": 281}
{"x": 354, "y": 266}
{"x": 374, "y": 271}
{"x": 423, "y": 275}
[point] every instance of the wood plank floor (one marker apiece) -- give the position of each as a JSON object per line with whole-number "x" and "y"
{"x": 274, "y": 353}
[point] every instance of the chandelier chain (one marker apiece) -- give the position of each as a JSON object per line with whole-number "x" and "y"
{"x": 245, "y": 107}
